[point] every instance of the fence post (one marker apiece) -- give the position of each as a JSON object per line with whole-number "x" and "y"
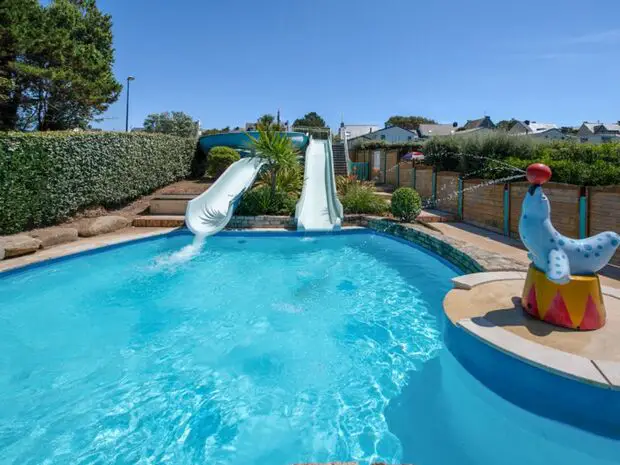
{"x": 460, "y": 199}
{"x": 434, "y": 187}
{"x": 397, "y": 174}
{"x": 507, "y": 209}
{"x": 413, "y": 175}
{"x": 583, "y": 213}
{"x": 384, "y": 167}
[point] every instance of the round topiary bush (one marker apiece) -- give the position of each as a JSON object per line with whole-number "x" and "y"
{"x": 219, "y": 159}
{"x": 406, "y": 204}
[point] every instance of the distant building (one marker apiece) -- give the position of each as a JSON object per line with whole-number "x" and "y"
{"x": 391, "y": 134}
{"x": 537, "y": 130}
{"x": 474, "y": 132}
{"x": 480, "y": 123}
{"x": 431, "y": 130}
{"x": 598, "y": 133}
{"x": 356, "y": 130}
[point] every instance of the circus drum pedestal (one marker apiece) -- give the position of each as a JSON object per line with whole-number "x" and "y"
{"x": 577, "y": 304}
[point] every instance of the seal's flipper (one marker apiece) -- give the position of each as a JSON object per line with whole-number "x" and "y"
{"x": 558, "y": 267}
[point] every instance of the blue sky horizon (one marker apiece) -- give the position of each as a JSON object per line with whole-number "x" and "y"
{"x": 225, "y": 65}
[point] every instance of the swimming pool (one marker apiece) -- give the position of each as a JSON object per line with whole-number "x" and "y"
{"x": 263, "y": 348}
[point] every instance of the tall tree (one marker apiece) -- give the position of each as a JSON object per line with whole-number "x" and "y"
{"x": 266, "y": 120}
{"x": 175, "y": 123}
{"x": 209, "y": 132}
{"x": 505, "y": 125}
{"x": 20, "y": 20}
{"x": 409, "y": 122}
{"x": 62, "y": 75}
{"x": 310, "y": 120}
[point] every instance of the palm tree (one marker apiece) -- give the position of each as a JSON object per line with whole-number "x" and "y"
{"x": 277, "y": 149}
{"x": 265, "y": 121}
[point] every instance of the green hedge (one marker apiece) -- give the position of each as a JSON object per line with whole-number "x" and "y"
{"x": 402, "y": 147}
{"x": 491, "y": 157}
{"x": 46, "y": 177}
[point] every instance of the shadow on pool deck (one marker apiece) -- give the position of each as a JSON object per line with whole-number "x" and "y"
{"x": 516, "y": 316}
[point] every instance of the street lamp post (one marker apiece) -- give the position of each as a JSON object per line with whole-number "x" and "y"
{"x": 129, "y": 79}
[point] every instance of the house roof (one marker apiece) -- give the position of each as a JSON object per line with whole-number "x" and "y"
{"x": 541, "y": 127}
{"x": 480, "y": 130}
{"x": 383, "y": 129}
{"x": 360, "y": 125}
{"x": 607, "y": 127}
{"x": 428, "y": 130}
{"x": 477, "y": 123}
{"x": 591, "y": 126}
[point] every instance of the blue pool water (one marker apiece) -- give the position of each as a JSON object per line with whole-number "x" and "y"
{"x": 260, "y": 349}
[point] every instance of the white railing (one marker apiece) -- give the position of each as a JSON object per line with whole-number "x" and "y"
{"x": 336, "y": 212}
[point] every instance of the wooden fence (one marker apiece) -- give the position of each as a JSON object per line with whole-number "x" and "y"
{"x": 575, "y": 211}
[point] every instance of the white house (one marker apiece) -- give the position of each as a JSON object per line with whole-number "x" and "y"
{"x": 598, "y": 133}
{"x": 390, "y": 134}
{"x": 431, "y": 130}
{"x": 356, "y": 130}
{"x": 536, "y": 130}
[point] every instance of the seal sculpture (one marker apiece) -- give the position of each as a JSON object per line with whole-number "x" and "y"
{"x": 561, "y": 286}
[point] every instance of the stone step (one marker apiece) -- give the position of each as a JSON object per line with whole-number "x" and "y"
{"x": 170, "y": 204}
{"x": 159, "y": 221}
{"x": 436, "y": 216}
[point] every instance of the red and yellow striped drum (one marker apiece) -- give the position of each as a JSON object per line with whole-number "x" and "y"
{"x": 577, "y": 305}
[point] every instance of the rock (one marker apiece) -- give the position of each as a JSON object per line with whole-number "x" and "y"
{"x": 55, "y": 236}
{"x": 104, "y": 224}
{"x": 15, "y": 246}
{"x": 1, "y": 253}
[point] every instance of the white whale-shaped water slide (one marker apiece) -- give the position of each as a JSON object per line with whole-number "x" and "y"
{"x": 211, "y": 211}
{"x": 318, "y": 208}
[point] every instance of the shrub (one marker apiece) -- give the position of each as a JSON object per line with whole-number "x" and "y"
{"x": 219, "y": 159}
{"x": 46, "y": 177}
{"x": 259, "y": 201}
{"x": 290, "y": 179}
{"x": 406, "y": 204}
{"x": 495, "y": 156}
{"x": 344, "y": 183}
{"x": 361, "y": 198}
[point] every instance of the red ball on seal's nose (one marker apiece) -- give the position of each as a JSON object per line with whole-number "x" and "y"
{"x": 537, "y": 173}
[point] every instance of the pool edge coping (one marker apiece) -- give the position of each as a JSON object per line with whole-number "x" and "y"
{"x": 603, "y": 374}
{"x": 106, "y": 244}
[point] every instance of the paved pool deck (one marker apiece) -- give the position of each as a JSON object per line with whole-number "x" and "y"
{"x": 508, "y": 247}
{"x": 81, "y": 245}
{"x": 487, "y": 306}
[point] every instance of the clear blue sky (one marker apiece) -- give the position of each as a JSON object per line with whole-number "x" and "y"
{"x": 228, "y": 62}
